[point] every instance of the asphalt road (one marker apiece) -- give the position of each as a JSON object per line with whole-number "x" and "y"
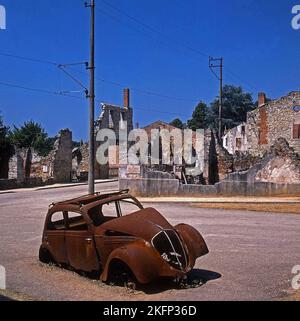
{"x": 251, "y": 254}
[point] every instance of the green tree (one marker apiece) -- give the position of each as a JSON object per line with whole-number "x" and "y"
{"x": 5, "y": 149}
{"x": 236, "y": 105}
{"x": 177, "y": 123}
{"x": 201, "y": 118}
{"x": 32, "y": 135}
{"x": 4, "y": 130}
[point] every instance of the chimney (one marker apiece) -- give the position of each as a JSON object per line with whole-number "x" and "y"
{"x": 126, "y": 98}
{"x": 261, "y": 99}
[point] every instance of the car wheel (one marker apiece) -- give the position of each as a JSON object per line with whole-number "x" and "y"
{"x": 121, "y": 275}
{"x": 45, "y": 256}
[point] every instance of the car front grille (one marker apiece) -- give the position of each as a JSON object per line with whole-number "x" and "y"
{"x": 171, "y": 249}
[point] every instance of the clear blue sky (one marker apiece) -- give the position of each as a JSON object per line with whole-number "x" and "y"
{"x": 255, "y": 37}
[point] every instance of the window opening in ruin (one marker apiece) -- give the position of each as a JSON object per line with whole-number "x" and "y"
{"x": 296, "y": 131}
{"x": 111, "y": 122}
{"x": 239, "y": 143}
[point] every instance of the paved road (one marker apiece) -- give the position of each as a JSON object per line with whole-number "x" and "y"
{"x": 251, "y": 258}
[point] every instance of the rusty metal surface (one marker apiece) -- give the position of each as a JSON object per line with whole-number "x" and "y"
{"x": 144, "y": 241}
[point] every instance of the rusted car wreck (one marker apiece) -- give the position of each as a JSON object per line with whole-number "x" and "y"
{"x": 115, "y": 236}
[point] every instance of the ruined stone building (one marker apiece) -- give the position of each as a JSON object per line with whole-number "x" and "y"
{"x": 179, "y": 169}
{"x": 112, "y": 117}
{"x": 27, "y": 168}
{"x": 80, "y": 163}
{"x": 267, "y": 147}
{"x": 272, "y": 120}
{"x": 235, "y": 140}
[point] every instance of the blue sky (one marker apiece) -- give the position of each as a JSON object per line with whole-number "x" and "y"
{"x": 255, "y": 37}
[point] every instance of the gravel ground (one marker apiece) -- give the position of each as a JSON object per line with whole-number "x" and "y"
{"x": 251, "y": 254}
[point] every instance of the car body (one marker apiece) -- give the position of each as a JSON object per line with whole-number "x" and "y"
{"x": 93, "y": 234}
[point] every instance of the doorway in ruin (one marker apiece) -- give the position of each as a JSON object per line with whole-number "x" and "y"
{"x": 5, "y": 154}
{"x": 213, "y": 172}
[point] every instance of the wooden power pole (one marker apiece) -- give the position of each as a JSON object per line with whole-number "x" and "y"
{"x": 218, "y": 63}
{"x": 92, "y": 102}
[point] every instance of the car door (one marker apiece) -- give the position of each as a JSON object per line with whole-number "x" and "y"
{"x": 55, "y": 237}
{"x": 110, "y": 240}
{"x": 81, "y": 251}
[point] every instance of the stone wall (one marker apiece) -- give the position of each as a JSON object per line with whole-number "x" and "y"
{"x": 28, "y": 168}
{"x": 197, "y": 142}
{"x": 275, "y": 119}
{"x": 172, "y": 187}
{"x": 218, "y": 163}
{"x": 62, "y": 157}
{"x": 235, "y": 140}
{"x": 112, "y": 117}
{"x": 281, "y": 165}
{"x": 80, "y": 163}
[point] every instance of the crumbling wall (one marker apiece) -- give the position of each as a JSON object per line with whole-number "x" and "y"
{"x": 271, "y": 121}
{"x": 62, "y": 157}
{"x": 27, "y": 167}
{"x": 16, "y": 166}
{"x": 218, "y": 162}
{"x": 235, "y": 139}
{"x": 244, "y": 161}
{"x": 112, "y": 117}
{"x": 281, "y": 165}
{"x": 80, "y": 163}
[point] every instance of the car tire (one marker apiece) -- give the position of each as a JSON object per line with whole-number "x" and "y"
{"x": 45, "y": 256}
{"x": 120, "y": 274}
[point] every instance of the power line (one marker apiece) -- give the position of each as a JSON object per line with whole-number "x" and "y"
{"x": 153, "y": 110}
{"x": 149, "y": 92}
{"x": 155, "y": 30}
{"x": 65, "y": 94}
{"x": 29, "y": 59}
{"x": 250, "y": 86}
{"x": 44, "y": 91}
{"x": 146, "y": 92}
{"x": 147, "y": 34}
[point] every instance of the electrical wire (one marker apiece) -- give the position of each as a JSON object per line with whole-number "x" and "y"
{"x": 154, "y": 30}
{"x": 146, "y": 92}
{"x": 65, "y": 94}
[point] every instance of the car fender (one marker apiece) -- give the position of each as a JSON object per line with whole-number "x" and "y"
{"x": 193, "y": 240}
{"x": 145, "y": 263}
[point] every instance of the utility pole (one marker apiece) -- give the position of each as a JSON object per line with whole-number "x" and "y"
{"x": 218, "y": 63}
{"x": 92, "y": 102}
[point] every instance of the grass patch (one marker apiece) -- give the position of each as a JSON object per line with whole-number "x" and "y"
{"x": 292, "y": 208}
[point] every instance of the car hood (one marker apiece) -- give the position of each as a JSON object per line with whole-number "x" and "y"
{"x": 145, "y": 224}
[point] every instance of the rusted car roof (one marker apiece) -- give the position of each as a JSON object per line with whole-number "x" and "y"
{"x": 89, "y": 201}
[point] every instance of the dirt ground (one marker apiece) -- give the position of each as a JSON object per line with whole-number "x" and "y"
{"x": 293, "y": 297}
{"x": 251, "y": 257}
